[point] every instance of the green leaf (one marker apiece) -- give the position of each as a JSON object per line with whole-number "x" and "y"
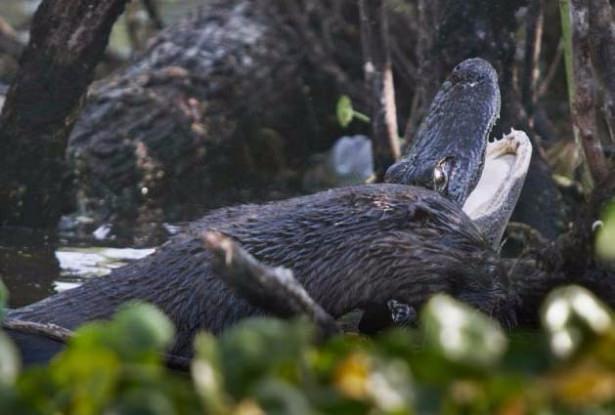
{"x": 142, "y": 327}
{"x": 259, "y": 347}
{"x": 85, "y": 378}
{"x": 345, "y": 113}
{"x": 605, "y": 237}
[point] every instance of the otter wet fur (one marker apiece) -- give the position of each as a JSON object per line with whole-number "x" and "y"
{"x": 349, "y": 247}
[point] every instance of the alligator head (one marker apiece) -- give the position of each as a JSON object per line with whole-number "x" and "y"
{"x": 447, "y": 154}
{"x": 453, "y": 154}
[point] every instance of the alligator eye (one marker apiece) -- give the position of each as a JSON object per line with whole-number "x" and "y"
{"x": 440, "y": 177}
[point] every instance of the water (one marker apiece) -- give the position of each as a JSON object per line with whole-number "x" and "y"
{"x": 35, "y": 264}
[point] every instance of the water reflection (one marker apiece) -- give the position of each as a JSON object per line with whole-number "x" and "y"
{"x": 77, "y": 264}
{"x": 28, "y": 265}
{"x": 35, "y": 264}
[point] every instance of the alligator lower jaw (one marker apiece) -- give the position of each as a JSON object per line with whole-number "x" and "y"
{"x": 493, "y": 199}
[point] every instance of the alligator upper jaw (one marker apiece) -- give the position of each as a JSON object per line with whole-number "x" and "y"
{"x": 492, "y": 201}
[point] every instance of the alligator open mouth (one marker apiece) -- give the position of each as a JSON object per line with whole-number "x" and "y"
{"x": 494, "y": 198}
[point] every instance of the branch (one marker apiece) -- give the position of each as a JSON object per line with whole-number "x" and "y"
{"x": 575, "y": 27}
{"x": 9, "y": 43}
{"x": 379, "y": 82}
{"x": 533, "y": 41}
{"x": 67, "y": 40}
{"x": 551, "y": 71}
{"x": 152, "y": 11}
{"x": 273, "y": 289}
{"x": 51, "y": 331}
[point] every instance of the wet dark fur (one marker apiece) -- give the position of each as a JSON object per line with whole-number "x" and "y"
{"x": 349, "y": 247}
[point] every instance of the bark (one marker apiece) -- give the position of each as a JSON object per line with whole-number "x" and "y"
{"x": 224, "y": 108}
{"x": 379, "y": 84}
{"x": 67, "y": 40}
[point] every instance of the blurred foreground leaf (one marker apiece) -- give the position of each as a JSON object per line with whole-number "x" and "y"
{"x": 573, "y": 317}
{"x": 4, "y": 299}
{"x": 605, "y": 237}
{"x": 9, "y": 361}
{"x": 455, "y": 363}
{"x": 462, "y": 334}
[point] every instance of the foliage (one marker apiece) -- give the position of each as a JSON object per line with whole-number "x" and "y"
{"x": 605, "y": 239}
{"x": 458, "y": 361}
{"x": 346, "y": 112}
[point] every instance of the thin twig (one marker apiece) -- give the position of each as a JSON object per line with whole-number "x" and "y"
{"x": 551, "y": 71}
{"x": 533, "y": 41}
{"x": 379, "y": 81}
{"x": 9, "y": 43}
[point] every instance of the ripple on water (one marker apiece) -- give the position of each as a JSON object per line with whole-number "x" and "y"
{"x": 78, "y": 264}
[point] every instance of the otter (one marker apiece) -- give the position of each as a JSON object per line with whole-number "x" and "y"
{"x": 349, "y": 247}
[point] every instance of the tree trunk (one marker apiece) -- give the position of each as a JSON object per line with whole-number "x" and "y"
{"x": 67, "y": 40}
{"x": 223, "y": 108}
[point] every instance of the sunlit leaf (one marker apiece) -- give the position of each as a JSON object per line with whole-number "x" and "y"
{"x": 461, "y": 333}
{"x": 9, "y": 360}
{"x": 572, "y": 316}
{"x": 390, "y": 386}
{"x": 206, "y": 374}
{"x": 351, "y": 375}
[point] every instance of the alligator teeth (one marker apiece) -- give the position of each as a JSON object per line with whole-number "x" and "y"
{"x": 493, "y": 199}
